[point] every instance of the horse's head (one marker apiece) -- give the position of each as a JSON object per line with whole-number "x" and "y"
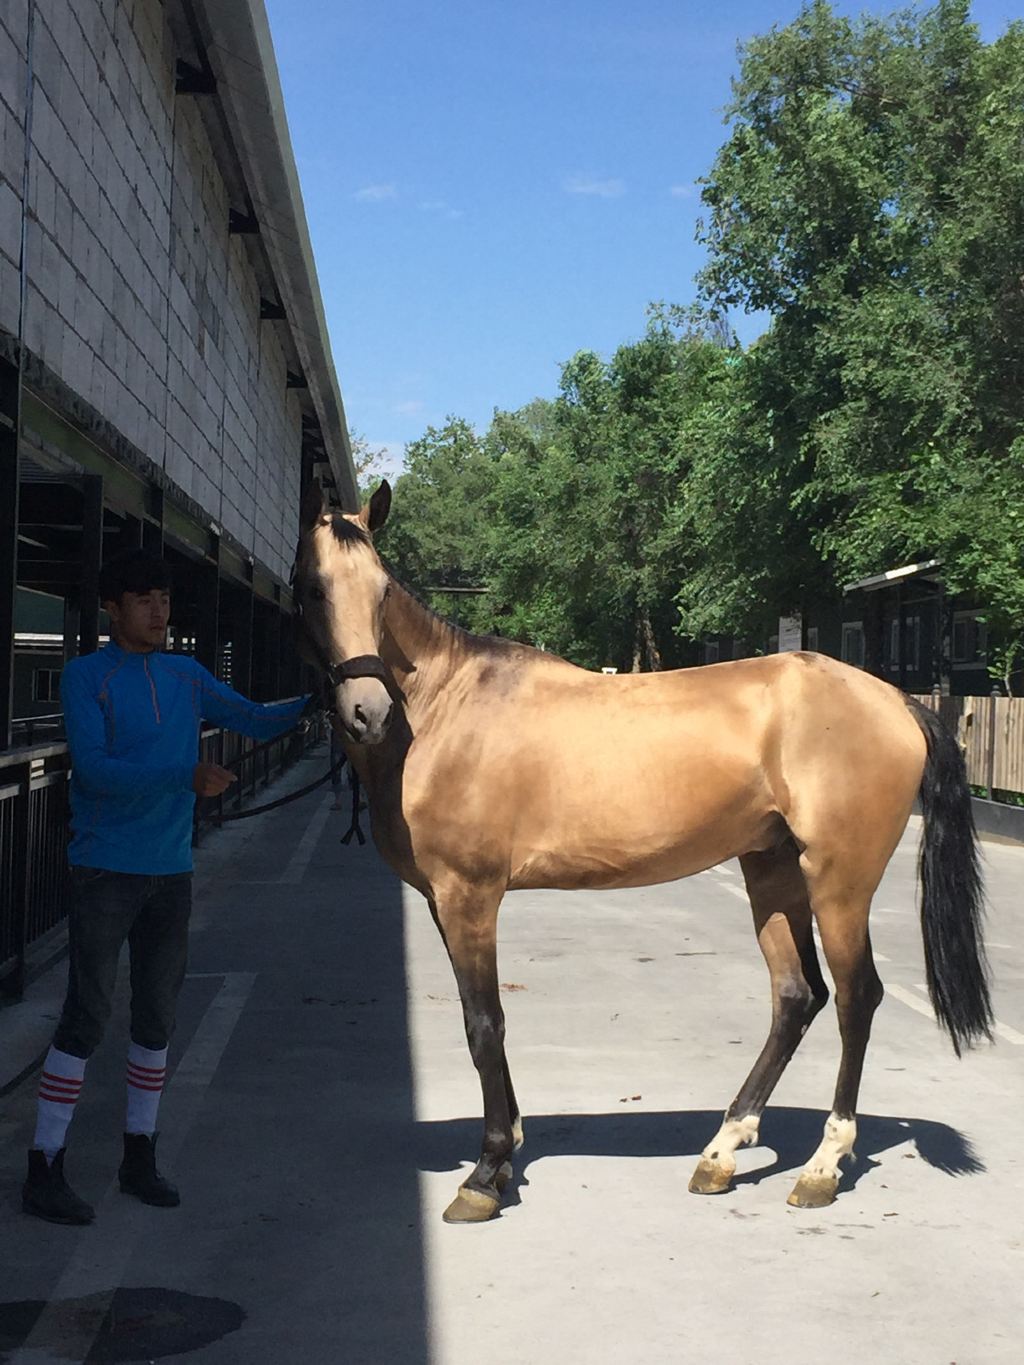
{"x": 340, "y": 589}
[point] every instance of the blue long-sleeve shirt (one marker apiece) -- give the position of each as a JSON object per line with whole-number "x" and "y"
{"x": 132, "y": 723}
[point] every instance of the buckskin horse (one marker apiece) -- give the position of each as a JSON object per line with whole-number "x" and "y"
{"x": 488, "y": 767}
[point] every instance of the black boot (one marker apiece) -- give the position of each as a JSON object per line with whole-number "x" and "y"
{"x": 139, "y": 1176}
{"x": 46, "y": 1194}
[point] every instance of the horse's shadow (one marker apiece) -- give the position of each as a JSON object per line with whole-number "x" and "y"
{"x": 792, "y": 1134}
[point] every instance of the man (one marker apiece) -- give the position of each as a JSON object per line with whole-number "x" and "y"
{"x": 132, "y": 716}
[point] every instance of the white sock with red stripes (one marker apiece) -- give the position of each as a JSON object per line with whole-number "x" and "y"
{"x": 59, "y": 1088}
{"x": 146, "y": 1072}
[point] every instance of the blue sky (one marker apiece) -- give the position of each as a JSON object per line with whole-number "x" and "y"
{"x": 491, "y": 187}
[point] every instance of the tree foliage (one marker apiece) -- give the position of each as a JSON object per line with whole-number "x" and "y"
{"x": 870, "y": 196}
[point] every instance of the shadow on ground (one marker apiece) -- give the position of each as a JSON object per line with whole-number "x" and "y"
{"x": 792, "y": 1134}
{"x": 132, "y": 1325}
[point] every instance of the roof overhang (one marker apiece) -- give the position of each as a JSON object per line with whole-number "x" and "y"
{"x": 892, "y": 577}
{"x": 232, "y": 41}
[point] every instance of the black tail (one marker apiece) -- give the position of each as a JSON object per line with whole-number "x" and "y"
{"x": 952, "y": 896}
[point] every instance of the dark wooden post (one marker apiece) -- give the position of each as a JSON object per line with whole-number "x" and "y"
{"x": 901, "y": 653}
{"x": 990, "y": 757}
{"x": 873, "y": 633}
{"x": 153, "y": 525}
{"x": 208, "y": 614}
{"x": 241, "y": 652}
{"x": 92, "y": 558}
{"x": 10, "y": 425}
{"x": 274, "y": 652}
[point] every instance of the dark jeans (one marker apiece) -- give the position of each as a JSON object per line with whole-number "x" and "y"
{"x": 152, "y": 913}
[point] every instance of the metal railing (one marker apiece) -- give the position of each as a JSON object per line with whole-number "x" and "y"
{"x": 33, "y": 861}
{"x": 37, "y": 729}
{"x": 256, "y": 764}
{"x": 34, "y": 815}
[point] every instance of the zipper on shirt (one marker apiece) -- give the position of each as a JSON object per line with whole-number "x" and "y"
{"x": 152, "y": 689}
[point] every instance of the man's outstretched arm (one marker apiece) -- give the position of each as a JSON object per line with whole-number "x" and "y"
{"x": 221, "y": 705}
{"x": 87, "y": 740}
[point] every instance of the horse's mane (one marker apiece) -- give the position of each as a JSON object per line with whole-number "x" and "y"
{"x": 348, "y": 532}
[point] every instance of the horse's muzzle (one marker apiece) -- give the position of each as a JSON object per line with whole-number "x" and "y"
{"x": 363, "y": 729}
{"x": 365, "y": 709}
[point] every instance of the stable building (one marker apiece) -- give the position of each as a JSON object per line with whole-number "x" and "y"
{"x": 165, "y": 372}
{"x": 165, "y": 379}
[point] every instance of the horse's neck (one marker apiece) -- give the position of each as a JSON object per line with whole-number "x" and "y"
{"x": 418, "y": 646}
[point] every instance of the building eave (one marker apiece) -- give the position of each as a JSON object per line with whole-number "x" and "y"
{"x": 892, "y": 577}
{"x": 239, "y": 50}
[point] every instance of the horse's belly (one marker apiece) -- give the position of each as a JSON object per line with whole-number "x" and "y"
{"x": 618, "y": 853}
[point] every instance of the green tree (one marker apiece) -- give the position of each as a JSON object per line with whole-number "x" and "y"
{"x": 433, "y": 537}
{"x": 585, "y": 551}
{"x": 370, "y": 462}
{"x": 871, "y": 196}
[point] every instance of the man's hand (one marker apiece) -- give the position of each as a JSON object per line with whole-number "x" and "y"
{"x": 210, "y": 779}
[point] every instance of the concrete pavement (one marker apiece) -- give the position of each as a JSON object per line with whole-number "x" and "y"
{"x": 323, "y": 1108}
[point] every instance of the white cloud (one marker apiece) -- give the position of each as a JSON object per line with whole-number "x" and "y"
{"x": 375, "y": 194}
{"x": 440, "y": 207}
{"x": 683, "y": 191}
{"x": 588, "y": 184}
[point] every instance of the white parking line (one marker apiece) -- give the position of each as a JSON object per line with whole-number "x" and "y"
{"x": 299, "y": 860}
{"x": 740, "y": 891}
{"x": 905, "y": 997}
{"x": 909, "y": 999}
{"x": 1004, "y": 1031}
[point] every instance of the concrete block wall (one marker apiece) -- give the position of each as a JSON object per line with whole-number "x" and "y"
{"x": 138, "y": 299}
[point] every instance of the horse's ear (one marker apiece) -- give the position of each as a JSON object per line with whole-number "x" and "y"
{"x": 375, "y": 513}
{"x": 312, "y": 506}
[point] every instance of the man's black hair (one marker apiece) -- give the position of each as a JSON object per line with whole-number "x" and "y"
{"x": 133, "y": 571}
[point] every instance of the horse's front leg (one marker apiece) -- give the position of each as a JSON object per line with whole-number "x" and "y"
{"x": 467, "y": 917}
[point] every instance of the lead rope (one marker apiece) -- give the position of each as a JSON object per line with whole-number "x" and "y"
{"x": 354, "y": 827}
{"x": 281, "y": 800}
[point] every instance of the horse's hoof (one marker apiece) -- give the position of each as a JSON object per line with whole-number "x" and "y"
{"x": 517, "y": 1134}
{"x": 503, "y": 1177}
{"x": 710, "y": 1178}
{"x": 814, "y": 1191}
{"x": 471, "y": 1206}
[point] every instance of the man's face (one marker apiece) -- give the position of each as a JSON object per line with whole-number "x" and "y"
{"x": 140, "y": 619}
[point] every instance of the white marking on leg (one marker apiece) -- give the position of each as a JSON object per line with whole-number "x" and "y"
{"x": 840, "y": 1135}
{"x": 733, "y": 1133}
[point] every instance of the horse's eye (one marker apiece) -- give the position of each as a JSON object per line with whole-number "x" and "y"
{"x": 317, "y": 595}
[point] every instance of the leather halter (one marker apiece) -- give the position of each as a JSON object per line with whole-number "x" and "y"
{"x": 363, "y": 666}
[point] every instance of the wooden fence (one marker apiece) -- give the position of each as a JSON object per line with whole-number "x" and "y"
{"x": 991, "y": 734}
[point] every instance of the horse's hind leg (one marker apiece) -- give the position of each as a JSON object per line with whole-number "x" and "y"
{"x": 467, "y": 918}
{"x": 843, "y": 925}
{"x": 782, "y": 921}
